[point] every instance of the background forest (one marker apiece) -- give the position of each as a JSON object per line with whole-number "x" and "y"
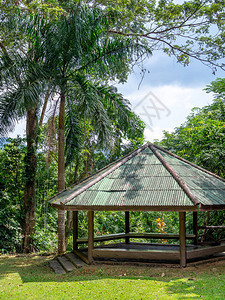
{"x": 57, "y": 64}
{"x": 201, "y": 139}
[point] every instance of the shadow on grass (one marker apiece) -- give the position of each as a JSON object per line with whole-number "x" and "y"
{"x": 192, "y": 281}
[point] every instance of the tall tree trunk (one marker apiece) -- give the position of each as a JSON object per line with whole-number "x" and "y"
{"x": 61, "y": 174}
{"x": 30, "y": 171}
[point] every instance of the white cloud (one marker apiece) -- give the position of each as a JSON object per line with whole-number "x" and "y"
{"x": 20, "y": 129}
{"x": 155, "y": 134}
{"x": 173, "y": 103}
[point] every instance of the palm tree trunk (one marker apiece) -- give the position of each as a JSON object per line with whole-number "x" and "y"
{"x": 30, "y": 176}
{"x": 61, "y": 174}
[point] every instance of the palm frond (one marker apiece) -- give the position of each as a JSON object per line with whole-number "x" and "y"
{"x": 21, "y": 85}
{"x": 90, "y": 106}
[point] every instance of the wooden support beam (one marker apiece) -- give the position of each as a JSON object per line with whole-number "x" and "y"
{"x": 90, "y": 236}
{"x": 75, "y": 230}
{"x": 82, "y": 255}
{"x": 61, "y": 232}
{"x": 195, "y": 227}
{"x": 182, "y": 233}
{"x": 127, "y": 226}
{"x": 211, "y": 227}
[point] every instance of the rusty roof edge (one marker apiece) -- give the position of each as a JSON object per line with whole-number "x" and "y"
{"x": 115, "y": 166}
{"x": 188, "y": 162}
{"x": 181, "y": 183}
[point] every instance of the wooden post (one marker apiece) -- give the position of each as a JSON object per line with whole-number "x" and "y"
{"x": 195, "y": 227}
{"x": 90, "y": 235}
{"x": 127, "y": 226}
{"x": 61, "y": 232}
{"x": 182, "y": 235}
{"x": 75, "y": 229}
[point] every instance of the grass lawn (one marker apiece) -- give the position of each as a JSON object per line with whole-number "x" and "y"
{"x": 30, "y": 277}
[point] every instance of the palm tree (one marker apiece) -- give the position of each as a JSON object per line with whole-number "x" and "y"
{"x": 78, "y": 51}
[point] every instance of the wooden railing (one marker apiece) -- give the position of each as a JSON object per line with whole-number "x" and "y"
{"x": 117, "y": 236}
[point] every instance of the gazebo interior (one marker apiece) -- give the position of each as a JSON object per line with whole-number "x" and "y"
{"x": 148, "y": 179}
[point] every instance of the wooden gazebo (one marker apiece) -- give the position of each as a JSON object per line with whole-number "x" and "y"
{"x": 148, "y": 179}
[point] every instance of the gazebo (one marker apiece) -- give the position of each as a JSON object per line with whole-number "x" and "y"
{"x": 148, "y": 179}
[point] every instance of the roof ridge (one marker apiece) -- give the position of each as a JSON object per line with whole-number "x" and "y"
{"x": 190, "y": 163}
{"x": 181, "y": 183}
{"x": 115, "y": 165}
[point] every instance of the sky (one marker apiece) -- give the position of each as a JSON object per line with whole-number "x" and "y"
{"x": 168, "y": 93}
{"x": 165, "y": 96}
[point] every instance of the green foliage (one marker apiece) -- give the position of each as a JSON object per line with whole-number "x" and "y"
{"x": 218, "y": 88}
{"x": 186, "y": 31}
{"x": 65, "y": 53}
{"x": 45, "y": 231}
{"x": 12, "y": 168}
{"x": 11, "y": 194}
{"x": 76, "y": 48}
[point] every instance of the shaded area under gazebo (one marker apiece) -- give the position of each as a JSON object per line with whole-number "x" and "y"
{"x": 148, "y": 179}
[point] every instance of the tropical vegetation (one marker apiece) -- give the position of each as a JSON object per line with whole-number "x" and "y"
{"x": 205, "y": 124}
{"x": 58, "y": 60}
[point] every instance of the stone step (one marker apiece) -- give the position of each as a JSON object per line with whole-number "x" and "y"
{"x": 66, "y": 263}
{"x": 75, "y": 260}
{"x": 56, "y": 266}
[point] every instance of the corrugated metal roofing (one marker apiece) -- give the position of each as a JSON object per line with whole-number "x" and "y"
{"x": 208, "y": 189}
{"x": 148, "y": 177}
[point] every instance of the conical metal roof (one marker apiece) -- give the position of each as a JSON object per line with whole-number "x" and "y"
{"x": 149, "y": 178}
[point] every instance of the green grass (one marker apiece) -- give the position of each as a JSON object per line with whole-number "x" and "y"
{"x": 29, "y": 277}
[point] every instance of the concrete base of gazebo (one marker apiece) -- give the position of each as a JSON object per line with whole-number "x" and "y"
{"x": 152, "y": 252}
{"x": 133, "y": 253}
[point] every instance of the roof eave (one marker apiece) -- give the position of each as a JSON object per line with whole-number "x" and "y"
{"x": 211, "y": 207}
{"x": 125, "y": 208}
